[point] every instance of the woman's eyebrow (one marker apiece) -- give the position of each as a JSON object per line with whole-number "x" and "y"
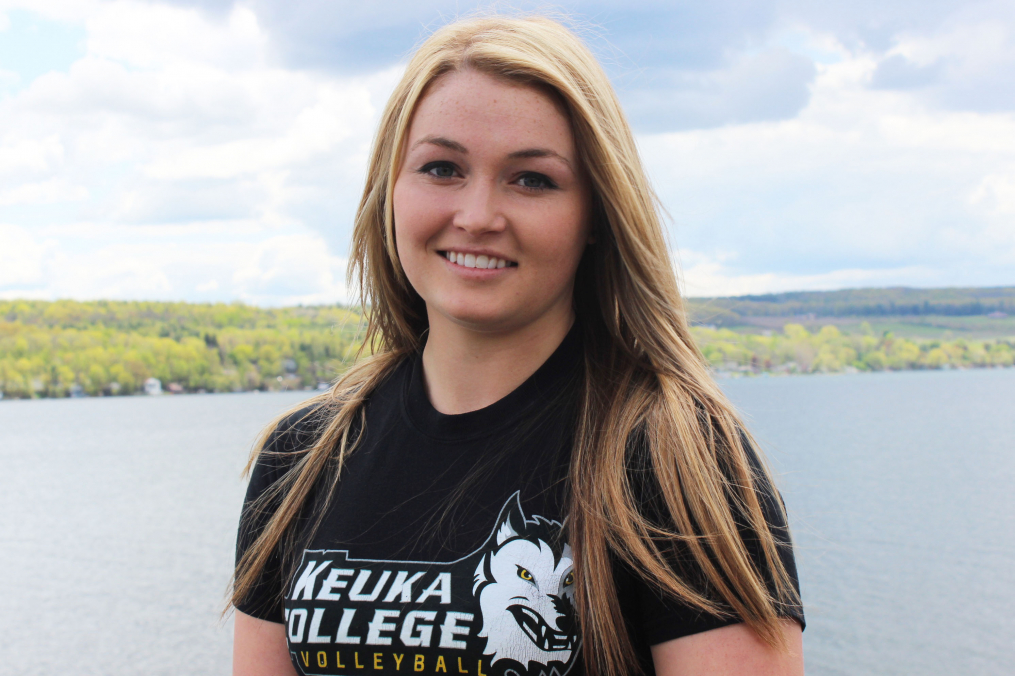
{"x": 443, "y": 143}
{"x": 539, "y": 152}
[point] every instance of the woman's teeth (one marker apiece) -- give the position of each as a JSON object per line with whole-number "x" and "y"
{"x": 473, "y": 261}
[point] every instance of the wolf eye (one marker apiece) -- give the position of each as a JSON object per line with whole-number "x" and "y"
{"x": 524, "y": 574}
{"x": 569, "y": 580}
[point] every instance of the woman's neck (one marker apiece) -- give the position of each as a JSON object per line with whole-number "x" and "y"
{"x": 466, "y": 370}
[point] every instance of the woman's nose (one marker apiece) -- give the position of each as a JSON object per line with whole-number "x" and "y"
{"x": 480, "y": 209}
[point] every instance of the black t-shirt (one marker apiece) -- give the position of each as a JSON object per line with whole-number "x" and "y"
{"x": 442, "y": 549}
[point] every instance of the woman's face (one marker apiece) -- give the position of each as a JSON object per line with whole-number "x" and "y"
{"x": 491, "y": 207}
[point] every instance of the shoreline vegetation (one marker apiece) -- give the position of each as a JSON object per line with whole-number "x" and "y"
{"x": 102, "y": 348}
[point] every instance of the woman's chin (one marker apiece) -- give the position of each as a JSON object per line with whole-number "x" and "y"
{"x": 482, "y": 318}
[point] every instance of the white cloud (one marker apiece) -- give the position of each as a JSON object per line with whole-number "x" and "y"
{"x": 864, "y": 187}
{"x": 180, "y": 157}
{"x": 996, "y": 194}
{"x": 704, "y": 276}
{"x": 21, "y": 257}
{"x": 177, "y": 159}
{"x": 220, "y": 264}
{"x": 315, "y": 130}
{"x": 283, "y": 269}
{"x": 153, "y": 36}
{"x": 27, "y": 156}
{"x": 43, "y": 192}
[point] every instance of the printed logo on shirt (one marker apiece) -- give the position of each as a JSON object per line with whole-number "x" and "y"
{"x": 507, "y": 609}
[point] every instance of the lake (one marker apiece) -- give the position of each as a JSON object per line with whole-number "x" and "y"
{"x": 118, "y": 516}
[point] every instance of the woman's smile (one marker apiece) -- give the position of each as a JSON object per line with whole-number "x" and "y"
{"x": 478, "y": 261}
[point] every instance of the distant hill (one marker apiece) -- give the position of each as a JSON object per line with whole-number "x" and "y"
{"x": 860, "y": 303}
{"x": 173, "y": 319}
{"x": 97, "y": 348}
{"x": 71, "y": 348}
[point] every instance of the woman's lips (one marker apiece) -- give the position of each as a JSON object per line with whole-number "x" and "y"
{"x": 477, "y": 261}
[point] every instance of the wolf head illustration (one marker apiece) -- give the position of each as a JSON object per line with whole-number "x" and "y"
{"x": 525, "y": 586}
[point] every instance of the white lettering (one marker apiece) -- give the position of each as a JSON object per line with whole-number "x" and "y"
{"x": 425, "y": 630}
{"x": 343, "y": 628}
{"x": 297, "y": 636}
{"x": 332, "y": 582}
{"x": 356, "y": 593}
{"x": 450, "y": 629}
{"x": 403, "y": 586}
{"x": 315, "y": 627}
{"x": 377, "y": 625}
{"x": 443, "y": 582}
{"x": 308, "y": 579}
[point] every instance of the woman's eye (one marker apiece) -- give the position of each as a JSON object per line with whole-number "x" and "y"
{"x": 535, "y": 182}
{"x": 439, "y": 169}
{"x": 524, "y": 574}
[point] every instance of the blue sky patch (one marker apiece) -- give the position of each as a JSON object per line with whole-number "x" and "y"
{"x": 32, "y": 45}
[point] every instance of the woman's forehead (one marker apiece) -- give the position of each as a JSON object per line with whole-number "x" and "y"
{"x": 478, "y": 110}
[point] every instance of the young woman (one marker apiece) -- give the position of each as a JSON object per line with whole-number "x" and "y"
{"x": 533, "y": 472}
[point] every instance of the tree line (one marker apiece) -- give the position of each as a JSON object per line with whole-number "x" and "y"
{"x": 53, "y": 349}
{"x": 829, "y": 350}
{"x": 887, "y": 302}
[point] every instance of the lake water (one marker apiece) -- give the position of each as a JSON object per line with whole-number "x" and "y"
{"x": 117, "y": 522}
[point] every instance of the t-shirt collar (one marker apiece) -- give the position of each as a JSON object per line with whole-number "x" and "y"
{"x": 541, "y": 387}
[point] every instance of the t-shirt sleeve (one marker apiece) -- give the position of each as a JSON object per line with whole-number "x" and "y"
{"x": 654, "y": 617}
{"x": 264, "y": 600}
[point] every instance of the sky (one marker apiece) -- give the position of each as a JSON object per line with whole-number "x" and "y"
{"x": 215, "y": 150}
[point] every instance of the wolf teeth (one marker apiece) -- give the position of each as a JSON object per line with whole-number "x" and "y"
{"x": 539, "y": 631}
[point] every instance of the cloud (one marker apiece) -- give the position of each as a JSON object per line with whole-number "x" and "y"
{"x": 864, "y": 186}
{"x": 964, "y": 63}
{"x": 21, "y": 257}
{"x": 772, "y": 85}
{"x": 171, "y": 122}
{"x": 704, "y": 276}
{"x": 29, "y": 157}
{"x": 996, "y": 195}
{"x": 216, "y": 150}
{"x": 216, "y": 262}
{"x": 44, "y": 192}
{"x": 286, "y": 268}
{"x": 896, "y": 72}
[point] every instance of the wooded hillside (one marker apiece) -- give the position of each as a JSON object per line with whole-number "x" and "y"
{"x": 53, "y": 349}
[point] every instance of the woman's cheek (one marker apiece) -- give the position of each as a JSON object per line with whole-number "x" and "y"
{"x": 561, "y": 237}
{"x": 407, "y": 211}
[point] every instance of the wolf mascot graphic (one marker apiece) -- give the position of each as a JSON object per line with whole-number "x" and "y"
{"x": 525, "y": 586}
{"x": 505, "y": 609}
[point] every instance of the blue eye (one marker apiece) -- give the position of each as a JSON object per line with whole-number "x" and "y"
{"x": 534, "y": 181}
{"x": 439, "y": 169}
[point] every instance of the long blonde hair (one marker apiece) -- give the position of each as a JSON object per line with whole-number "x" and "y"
{"x": 647, "y": 389}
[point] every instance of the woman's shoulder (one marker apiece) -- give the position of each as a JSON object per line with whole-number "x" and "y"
{"x": 290, "y": 437}
{"x": 299, "y": 429}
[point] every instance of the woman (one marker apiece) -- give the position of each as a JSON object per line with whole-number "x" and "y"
{"x": 534, "y": 472}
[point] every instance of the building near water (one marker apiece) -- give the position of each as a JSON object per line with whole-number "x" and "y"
{"x": 153, "y": 386}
